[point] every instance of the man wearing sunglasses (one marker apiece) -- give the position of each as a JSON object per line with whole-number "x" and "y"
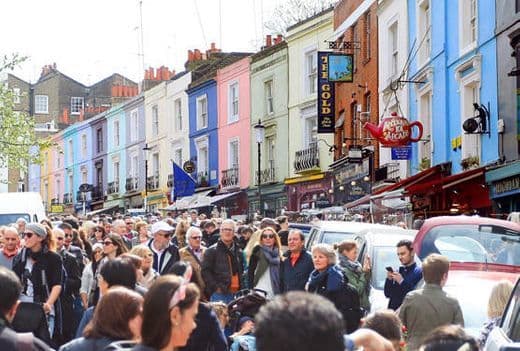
{"x": 75, "y": 251}
{"x": 193, "y": 253}
{"x": 165, "y": 253}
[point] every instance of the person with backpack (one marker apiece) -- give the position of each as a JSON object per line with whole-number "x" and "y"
{"x": 358, "y": 275}
{"x": 40, "y": 270}
{"x": 328, "y": 280}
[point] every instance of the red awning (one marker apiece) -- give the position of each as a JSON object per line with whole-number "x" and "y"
{"x": 444, "y": 182}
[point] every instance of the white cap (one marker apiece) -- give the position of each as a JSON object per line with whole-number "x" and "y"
{"x": 161, "y": 226}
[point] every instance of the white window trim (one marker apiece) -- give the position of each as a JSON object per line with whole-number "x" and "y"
{"x": 178, "y": 114}
{"x": 465, "y": 45}
{"x": 134, "y": 132}
{"x": 231, "y": 141}
{"x": 200, "y": 98}
{"x": 472, "y": 78}
{"x": 155, "y": 120}
{"x": 200, "y": 143}
{"x": 391, "y": 23}
{"x": 84, "y": 146}
{"x": 422, "y": 59}
{"x": 117, "y": 134}
{"x": 232, "y": 118}
{"x": 306, "y": 114}
{"x": 266, "y": 103}
{"x": 82, "y": 104}
{"x": 36, "y": 105}
{"x": 305, "y": 84}
{"x": 420, "y": 90}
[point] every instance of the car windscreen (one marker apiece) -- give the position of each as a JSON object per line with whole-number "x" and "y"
{"x": 473, "y": 243}
{"x": 9, "y": 218}
{"x": 383, "y": 256}
{"x": 336, "y": 237}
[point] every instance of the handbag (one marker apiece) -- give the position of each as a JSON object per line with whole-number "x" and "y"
{"x": 235, "y": 281}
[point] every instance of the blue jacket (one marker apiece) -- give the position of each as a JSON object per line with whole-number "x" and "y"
{"x": 396, "y": 292}
{"x": 295, "y": 278}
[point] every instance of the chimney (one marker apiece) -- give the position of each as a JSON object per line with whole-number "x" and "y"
{"x": 268, "y": 41}
{"x": 279, "y": 39}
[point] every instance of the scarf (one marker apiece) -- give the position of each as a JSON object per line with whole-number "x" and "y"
{"x": 273, "y": 259}
{"x": 353, "y": 266}
{"x": 332, "y": 278}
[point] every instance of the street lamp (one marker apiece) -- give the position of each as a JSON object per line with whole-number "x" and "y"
{"x": 260, "y": 135}
{"x": 145, "y": 202}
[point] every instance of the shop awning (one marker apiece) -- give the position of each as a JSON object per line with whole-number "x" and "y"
{"x": 365, "y": 200}
{"x": 102, "y": 210}
{"x": 445, "y": 182}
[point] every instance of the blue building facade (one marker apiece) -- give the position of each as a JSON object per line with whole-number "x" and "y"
{"x": 99, "y": 160}
{"x": 81, "y": 169}
{"x": 455, "y": 68}
{"x": 202, "y": 102}
{"x": 116, "y": 157}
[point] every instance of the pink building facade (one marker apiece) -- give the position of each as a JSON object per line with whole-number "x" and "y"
{"x": 234, "y": 121}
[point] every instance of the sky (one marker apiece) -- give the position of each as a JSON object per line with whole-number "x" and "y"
{"x": 90, "y": 40}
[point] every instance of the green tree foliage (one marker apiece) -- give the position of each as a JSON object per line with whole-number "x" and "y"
{"x": 19, "y": 145}
{"x": 291, "y": 12}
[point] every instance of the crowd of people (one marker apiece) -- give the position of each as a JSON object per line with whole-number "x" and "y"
{"x": 154, "y": 283}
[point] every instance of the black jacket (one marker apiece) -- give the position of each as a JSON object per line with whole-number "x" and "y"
{"x": 216, "y": 271}
{"x": 164, "y": 263}
{"x": 207, "y": 335}
{"x": 12, "y": 341}
{"x": 295, "y": 278}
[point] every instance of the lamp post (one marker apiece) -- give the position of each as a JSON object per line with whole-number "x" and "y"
{"x": 145, "y": 202}
{"x": 260, "y": 134}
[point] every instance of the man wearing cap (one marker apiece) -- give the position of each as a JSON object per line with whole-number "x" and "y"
{"x": 165, "y": 253}
{"x": 10, "y": 249}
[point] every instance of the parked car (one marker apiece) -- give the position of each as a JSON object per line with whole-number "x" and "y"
{"x": 472, "y": 289}
{"x": 380, "y": 245}
{"x": 472, "y": 243}
{"x": 507, "y": 332}
{"x": 331, "y": 232}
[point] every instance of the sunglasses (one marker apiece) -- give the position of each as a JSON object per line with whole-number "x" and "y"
{"x": 267, "y": 236}
{"x": 106, "y": 243}
{"x": 166, "y": 235}
{"x": 28, "y": 235}
{"x": 196, "y": 237}
{"x": 68, "y": 235}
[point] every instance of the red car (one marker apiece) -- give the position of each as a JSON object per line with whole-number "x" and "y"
{"x": 472, "y": 243}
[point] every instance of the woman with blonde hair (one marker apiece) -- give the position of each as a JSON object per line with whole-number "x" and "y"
{"x": 149, "y": 274}
{"x": 496, "y": 304}
{"x": 264, "y": 264}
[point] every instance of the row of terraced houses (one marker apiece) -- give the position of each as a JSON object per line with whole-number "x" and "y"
{"x": 442, "y": 56}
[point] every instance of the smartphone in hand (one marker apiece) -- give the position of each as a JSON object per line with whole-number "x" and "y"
{"x": 389, "y": 269}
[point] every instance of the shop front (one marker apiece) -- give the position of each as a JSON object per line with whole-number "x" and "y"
{"x": 274, "y": 200}
{"x": 309, "y": 192}
{"x": 504, "y": 189}
{"x": 156, "y": 200}
{"x": 351, "y": 181}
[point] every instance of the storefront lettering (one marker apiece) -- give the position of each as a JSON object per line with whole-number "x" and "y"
{"x": 507, "y": 185}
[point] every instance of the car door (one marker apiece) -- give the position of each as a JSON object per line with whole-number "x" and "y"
{"x": 509, "y": 329}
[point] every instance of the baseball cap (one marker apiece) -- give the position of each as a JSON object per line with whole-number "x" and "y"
{"x": 161, "y": 226}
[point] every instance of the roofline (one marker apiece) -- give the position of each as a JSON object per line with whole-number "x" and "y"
{"x": 319, "y": 14}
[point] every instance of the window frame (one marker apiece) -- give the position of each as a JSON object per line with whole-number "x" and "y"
{"x": 233, "y": 116}
{"x": 233, "y": 141}
{"x": 393, "y": 34}
{"x": 177, "y": 110}
{"x": 74, "y": 104}
{"x": 311, "y": 71}
{"x": 424, "y": 13}
{"x": 99, "y": 140}
{"x": 199, "y": 103}
{"x": 39, "y": 104}
{"x": 134, "y": 125}
{"x": 468, "y": 25}
{"x": 116, "y": 140}
{"x": 155, "y": 120}
{"x": 367, "y": 32}
{"x": 83, "y": 145}
{"x": 268, "y": 97}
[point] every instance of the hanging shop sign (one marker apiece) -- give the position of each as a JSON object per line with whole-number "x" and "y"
{"x": 341, "y": 68}
{"x": 395, "y": 131}
{"x": 325, "y": 95}
{"x": 402, "y": 153}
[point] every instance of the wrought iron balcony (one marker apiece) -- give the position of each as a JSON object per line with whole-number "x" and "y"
{"x": 230, "y": 178}
{"x": 307, "y": 159}
{"x": 113, "y": 187}
{"x": 97, "y": 193}
{"x": 169, "y": 183}
{"x": 153, "y": 182}
{"x": 131, "y": 184}
{"x": 268, "y": 175}
{"x": 202, "y": 179}
{"x": 67, "y": 198}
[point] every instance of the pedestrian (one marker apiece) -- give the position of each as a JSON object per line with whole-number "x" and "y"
{"x": 87, "y": 288}
{"x": 143, "y": 235}
{"x": 98, "y": 235}
{"x": 212, "y": 233}
{"x": 10, "y": 248}
{"x": 9, "y": 295}
{"x": 68, "y": 246}
{"x": 328, "y": 280}
{"x": 180, "y": 233}
{"x": 119, "y": 227}
{"x": 387, "y": 324}
{"x": 117, "y": 317}
{"x": 358, "y": 275}
{"x": 149, "y": 274}
{"x": 194, "y": 218}
{"x": 39, "y": 268}
{"x": 264, "y": 265}
{"x": 165, "y": 253}
{"x": 449, "y": 338}
{"x": 283, "y": 233}
{"x": 496, "y": 304}
{"x": 20, "y": 224}
{"x": 398, "y": 284}
{"x": 222, "y": 265}
{"x": 193, "y": 253}
{"x": 244, "y": 233}
{"x": 297, "y": 264}
{"x": 169, "y": 311}
{"x": 427, "y": 308}
{"x": 244, "y": 338}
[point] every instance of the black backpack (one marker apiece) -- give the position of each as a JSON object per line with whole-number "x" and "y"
{"x": 351, "y": 307}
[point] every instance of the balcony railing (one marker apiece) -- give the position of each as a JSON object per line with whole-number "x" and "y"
{"x": 113, "y": 187}
{"x": 268, "y": 175}
{"x": 202, "y": 179}
{"x": 307, "y": 159}
{"x": 153, "y": 182}
{"x": 67, "y": 198}
{"x": 132, "y": 184}
{"x": 97, "y": 193}
{"x": 230, "y": 178}
{"x": 55, "y": 201}
{"x": 169, "y": 183}
{"x": 79, "y": 196}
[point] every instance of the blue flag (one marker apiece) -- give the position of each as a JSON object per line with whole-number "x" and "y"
{"x": 183, "y": 183}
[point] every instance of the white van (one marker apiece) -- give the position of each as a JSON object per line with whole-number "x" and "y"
{"x": 28, "y": 206}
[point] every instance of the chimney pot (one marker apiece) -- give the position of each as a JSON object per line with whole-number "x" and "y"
{"x": 268, "y": 40}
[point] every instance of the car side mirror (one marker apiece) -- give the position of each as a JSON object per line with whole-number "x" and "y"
{"x": 510, "y": 347}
